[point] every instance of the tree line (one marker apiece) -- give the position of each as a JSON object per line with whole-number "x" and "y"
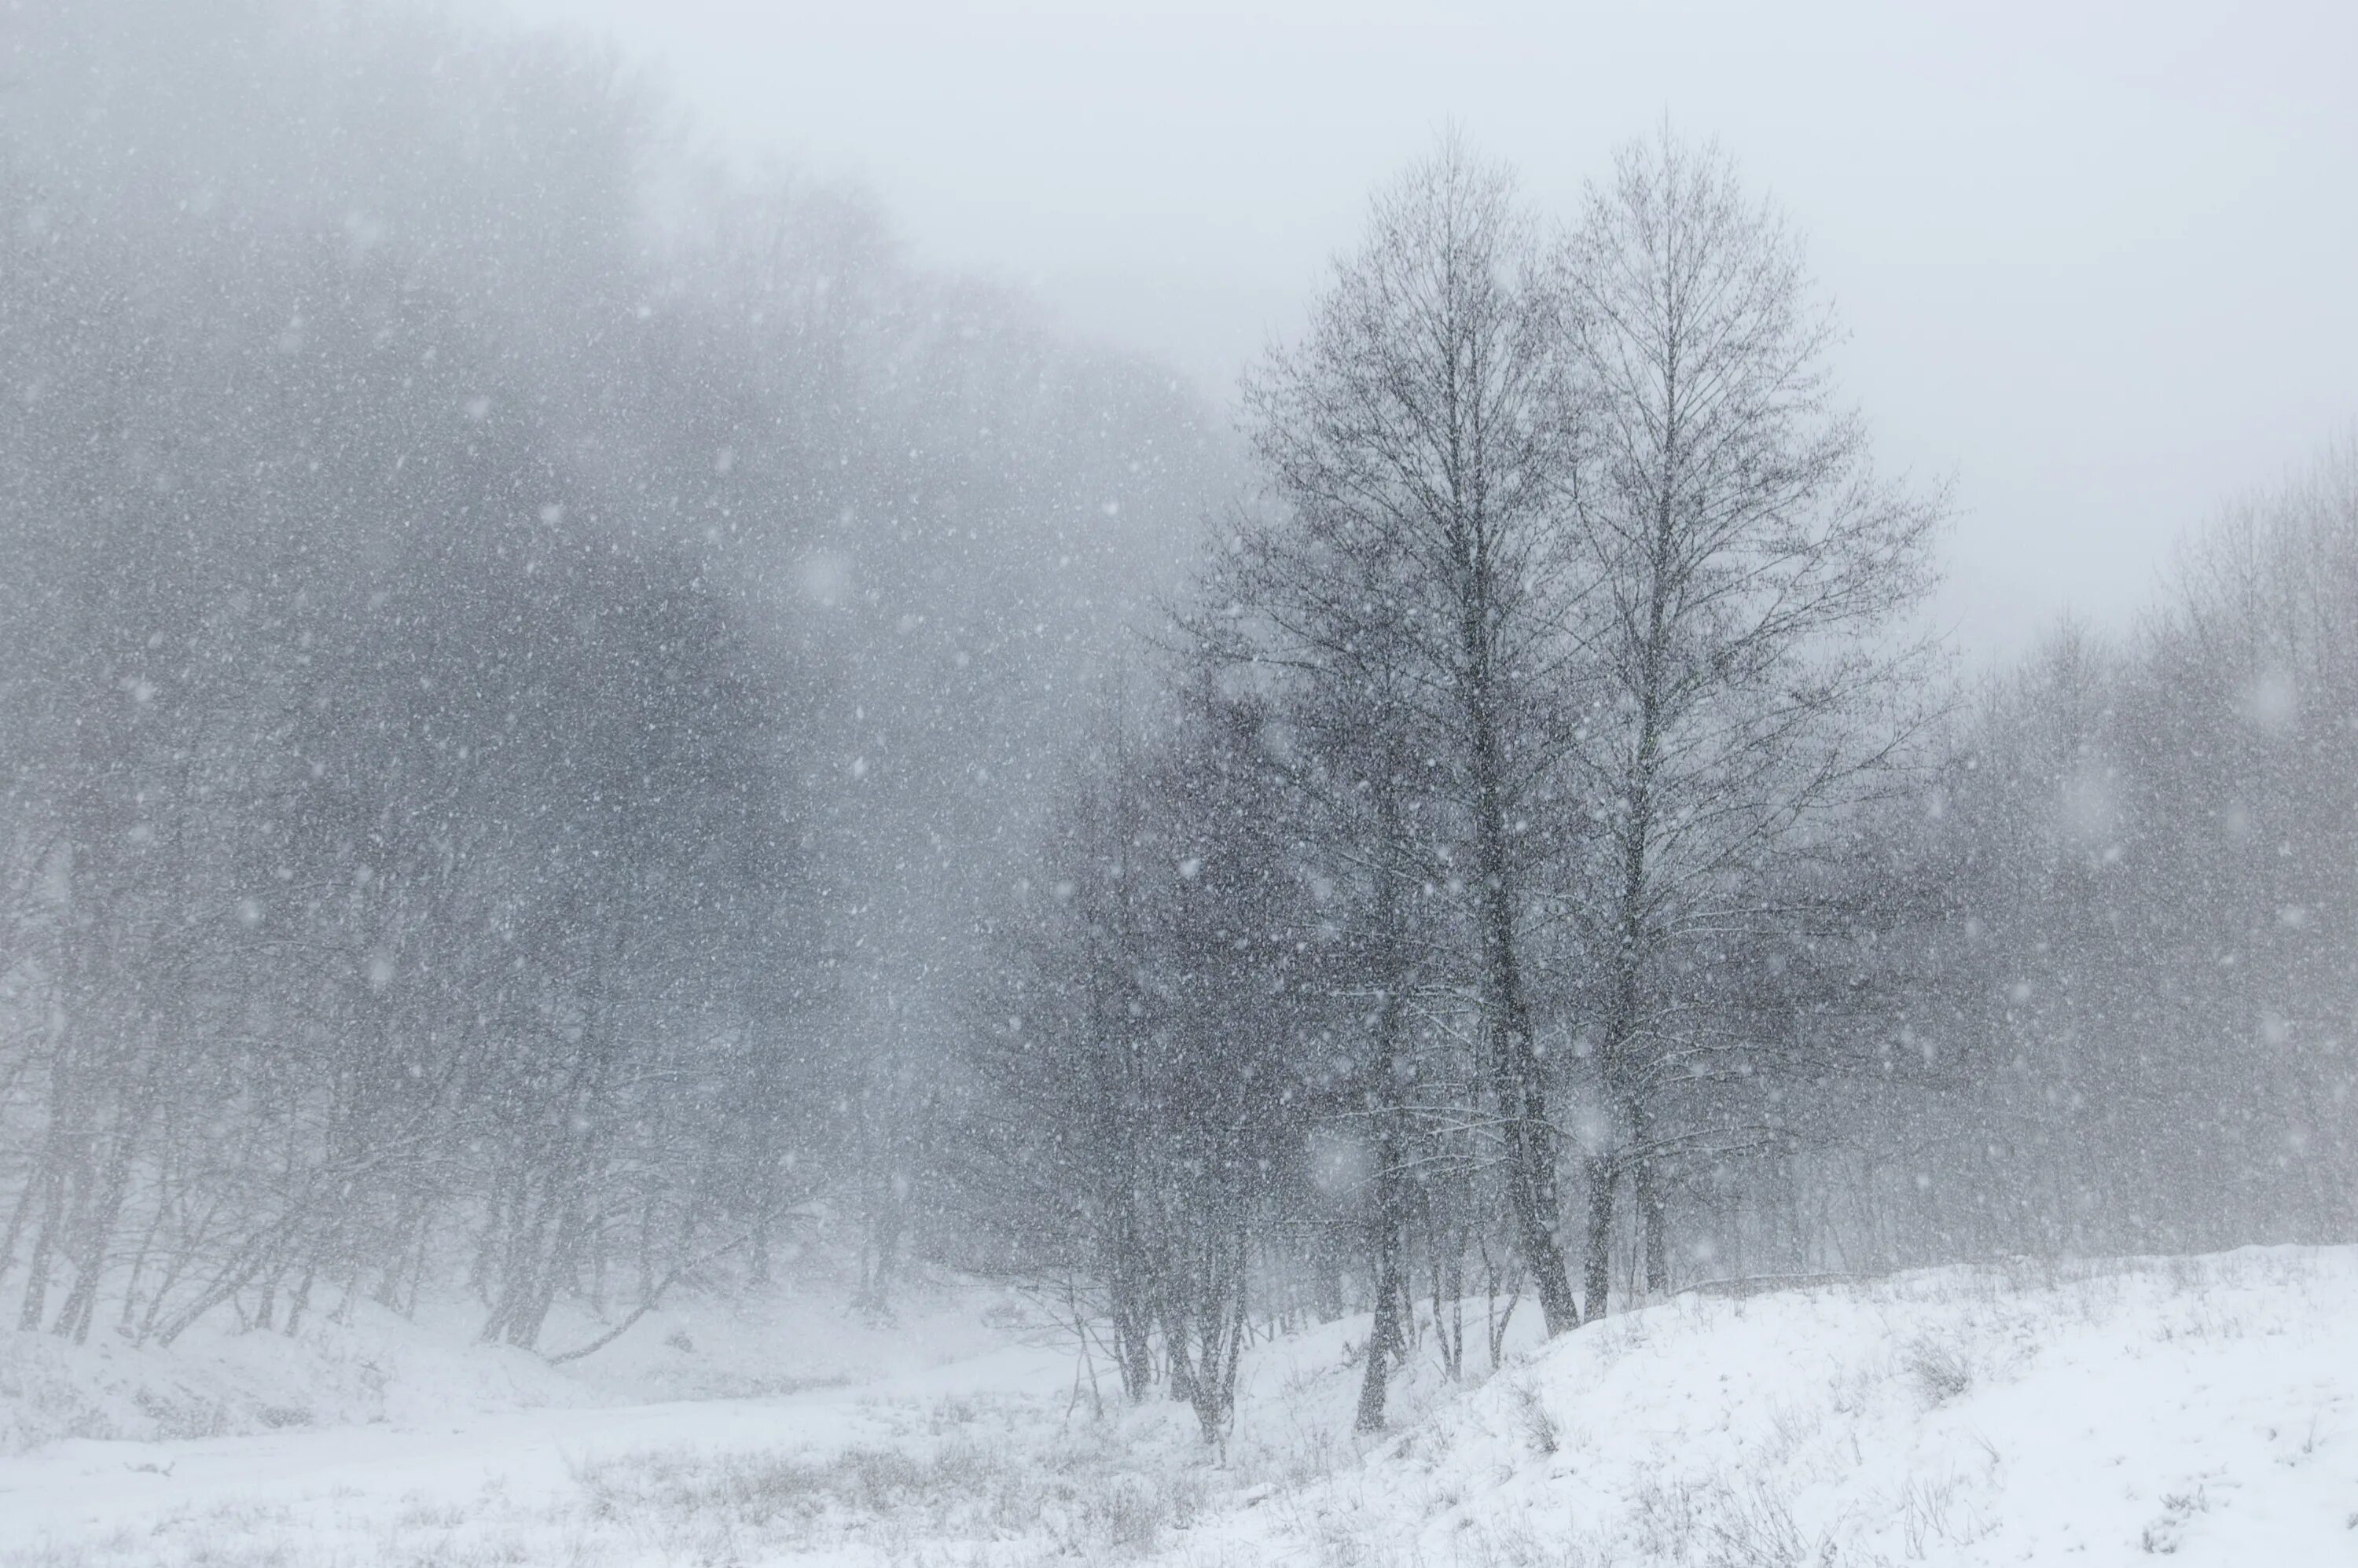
{"x": 1559, "y": 855}
{"x": 519, "y": 655}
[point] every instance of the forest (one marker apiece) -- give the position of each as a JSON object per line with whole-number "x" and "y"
{"x": 575, "y": 724}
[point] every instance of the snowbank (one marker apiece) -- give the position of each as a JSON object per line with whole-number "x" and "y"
{"x": 2030, "y": 1412}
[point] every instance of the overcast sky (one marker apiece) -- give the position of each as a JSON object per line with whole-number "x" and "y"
{"x": 2099, "y": 262}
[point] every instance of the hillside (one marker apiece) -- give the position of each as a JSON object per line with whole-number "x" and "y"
{"x": 2203, "y": 1408}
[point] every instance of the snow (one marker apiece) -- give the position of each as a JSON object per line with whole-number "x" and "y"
{"x": 2020, "y": 1414}
{"x": 2026, "y": 1412}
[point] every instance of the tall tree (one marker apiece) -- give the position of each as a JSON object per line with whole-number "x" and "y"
{"x": 1421, "y": 434}
{"x": 1747, "y": 574}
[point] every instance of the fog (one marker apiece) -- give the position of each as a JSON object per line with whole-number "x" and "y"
{"x": 2089, "y": 258}
{"x": 1179, "y": 690}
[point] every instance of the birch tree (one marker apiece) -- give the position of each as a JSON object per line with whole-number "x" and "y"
{"x": 1750, "y": 576}
{"x": 1419, "y": 438}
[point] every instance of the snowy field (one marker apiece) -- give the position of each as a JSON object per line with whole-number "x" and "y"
{"x": 2205, "y": 1410}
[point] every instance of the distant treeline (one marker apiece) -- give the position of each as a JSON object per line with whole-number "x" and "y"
{"x": 519, "y": 657}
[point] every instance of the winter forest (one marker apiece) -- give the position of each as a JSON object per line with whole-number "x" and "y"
{"x": 580, "y": 734}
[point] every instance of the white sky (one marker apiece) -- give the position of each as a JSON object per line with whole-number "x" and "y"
{"x": 2099, "y": 261}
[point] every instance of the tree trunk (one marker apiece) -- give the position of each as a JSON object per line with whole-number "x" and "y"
{"x": 1384, "y": 1334}
{"x": 1515, "y": 1072}
{"x": 1599, "y": 1280}
{"x": 1386, "y": 1071}
{"x": 1653, "y": 1239}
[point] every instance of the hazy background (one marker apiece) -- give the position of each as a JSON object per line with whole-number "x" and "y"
{"x": 2094, "y": 258}
{"x": 574, "y": 719}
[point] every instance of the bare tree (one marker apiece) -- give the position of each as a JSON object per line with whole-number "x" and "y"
{"x": 1749, "y": 571}
{"x": 1324, "y": 632}
{"x": 1421, "y": 437}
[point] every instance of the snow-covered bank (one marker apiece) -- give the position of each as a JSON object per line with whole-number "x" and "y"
{"x": 2033, "y": 1412}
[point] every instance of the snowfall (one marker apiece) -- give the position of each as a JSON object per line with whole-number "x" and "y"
{"x": 2026, "y": 1412}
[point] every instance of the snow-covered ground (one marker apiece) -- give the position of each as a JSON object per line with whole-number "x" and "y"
{"x": 2205, "y": 1408}
{"x": 2033, "y": 1412}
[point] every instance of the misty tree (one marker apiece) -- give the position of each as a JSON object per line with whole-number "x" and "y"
{"x": 1744, "y": 573}
{"x": 1144, "y": 1103}
{"x": 1420, "y": 436}
{"x": 1233, "y": 948}
{"x": 1316, "y": 616}
{"x": 2109, "y": 1026}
